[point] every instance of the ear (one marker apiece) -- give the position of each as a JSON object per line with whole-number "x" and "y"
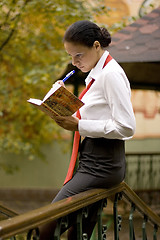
{"x": 97, "y": 45}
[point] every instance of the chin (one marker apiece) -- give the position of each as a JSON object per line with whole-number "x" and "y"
{"x": 84, "y": 70}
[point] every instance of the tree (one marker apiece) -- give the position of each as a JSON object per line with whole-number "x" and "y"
{"x": 31, "y": 58}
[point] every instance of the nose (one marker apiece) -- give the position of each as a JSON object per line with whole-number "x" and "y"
{"x": 74, "y": 61}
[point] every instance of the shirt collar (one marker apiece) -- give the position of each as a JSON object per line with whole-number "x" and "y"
{"x": 95, "y": 71}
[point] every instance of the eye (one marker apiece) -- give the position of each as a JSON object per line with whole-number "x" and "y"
{"x": 79, "y": 55}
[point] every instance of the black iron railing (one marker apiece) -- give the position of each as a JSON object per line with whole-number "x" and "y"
{"x": 29, "y": 222}
{"x": 143, "y": 171}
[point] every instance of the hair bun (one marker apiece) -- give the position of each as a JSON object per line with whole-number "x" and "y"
{"x": 106, "y": 35}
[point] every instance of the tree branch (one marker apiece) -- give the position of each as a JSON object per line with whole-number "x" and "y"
{"x": 8, "y": 14}
{"x": 15, "y": 25}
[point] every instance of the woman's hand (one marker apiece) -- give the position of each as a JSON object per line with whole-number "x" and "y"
{"x": 69, "y": 123}
{"x": 59, "y": 82}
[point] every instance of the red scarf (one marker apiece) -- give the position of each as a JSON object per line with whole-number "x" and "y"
{"x": 77, "y": 135}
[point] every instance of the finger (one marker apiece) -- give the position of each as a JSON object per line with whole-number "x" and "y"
{"x": 59, "y": 82}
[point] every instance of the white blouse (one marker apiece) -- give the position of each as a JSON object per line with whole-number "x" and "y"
{"x": 108, "y": 110}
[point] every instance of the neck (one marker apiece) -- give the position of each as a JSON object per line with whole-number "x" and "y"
{"x": 100, "y": 55}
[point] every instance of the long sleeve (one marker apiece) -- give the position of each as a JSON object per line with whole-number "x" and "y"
{"x": 108, "y": 112}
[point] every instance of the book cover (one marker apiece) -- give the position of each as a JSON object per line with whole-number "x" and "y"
{"x": 58, "y": 102}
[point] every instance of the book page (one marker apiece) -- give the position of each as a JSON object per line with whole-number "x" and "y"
{"x": 52, "y": 90}
{"x": 63, "y": 102}
{"x": 35, "y": 101}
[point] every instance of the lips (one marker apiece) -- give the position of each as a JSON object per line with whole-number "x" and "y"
{"x": 80, "y": 67}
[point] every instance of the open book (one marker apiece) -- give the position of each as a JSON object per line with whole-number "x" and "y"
{"x": 58, "y": 102}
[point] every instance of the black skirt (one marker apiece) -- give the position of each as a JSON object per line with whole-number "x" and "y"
{"x": 101, "y": 165}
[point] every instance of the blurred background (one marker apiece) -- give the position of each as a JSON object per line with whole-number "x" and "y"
{"x": 34, "y": 151}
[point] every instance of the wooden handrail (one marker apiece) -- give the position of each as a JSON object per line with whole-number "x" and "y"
{"x": 34, "y": 218}
{"x": 7, "y": 212}
{"x": 140, "y": 205}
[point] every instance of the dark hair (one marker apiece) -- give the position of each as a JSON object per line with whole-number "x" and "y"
{"x": 86, "y": 33}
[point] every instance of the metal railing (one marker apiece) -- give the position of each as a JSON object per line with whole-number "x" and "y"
{"x": 79, "y": 204}
{"x": 143, "y": 171}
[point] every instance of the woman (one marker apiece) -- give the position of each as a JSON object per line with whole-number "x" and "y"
{"x": 107, "y": 118}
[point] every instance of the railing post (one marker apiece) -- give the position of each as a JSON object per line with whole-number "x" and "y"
{"x": 82, "y": 213}
{"x": 144, "y": 235}
{"x": 150, "y": 182}
{"x": 104, "y": 230}
{"x": 131, "y": 226}
{"x": 33, "y": 232}
{"x": 117, "y": 218}
{"x": 62, "y": 222}
{"x": 155, "y": 232}
{"x": 101, "y": 230}
{"x": 13, "y": 238}
{"x": 138, "y": 171}
{"x": 79, "y": 225}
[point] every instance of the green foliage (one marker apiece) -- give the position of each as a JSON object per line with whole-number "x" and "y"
{"x": 32, "y": 57}
{"x": 147, "y": 6}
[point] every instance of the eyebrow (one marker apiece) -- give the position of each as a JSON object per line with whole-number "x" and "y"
{"x": 79, "y": 53}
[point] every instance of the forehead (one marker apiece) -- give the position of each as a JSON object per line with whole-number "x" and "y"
{"x": 73, "y": 48}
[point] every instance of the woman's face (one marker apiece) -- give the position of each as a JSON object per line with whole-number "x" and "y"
{"x": 83, "y": 57}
